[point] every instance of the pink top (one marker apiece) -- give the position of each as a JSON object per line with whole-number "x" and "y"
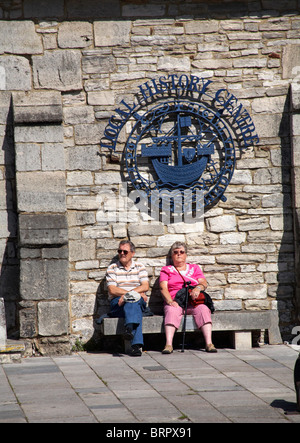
{"x": 175, "y": 282}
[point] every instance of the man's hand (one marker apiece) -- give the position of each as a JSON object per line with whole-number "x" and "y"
{"x": 121, "y": 301}
{"x": 144, "y": 297}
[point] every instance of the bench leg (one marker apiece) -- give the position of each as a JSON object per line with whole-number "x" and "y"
{"x": 242, "y": 340}
{"x": 298, "y": 395}
{"x": 127, "y": 346}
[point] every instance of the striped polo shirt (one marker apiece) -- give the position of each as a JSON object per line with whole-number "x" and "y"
{"x": 117, "y": 275}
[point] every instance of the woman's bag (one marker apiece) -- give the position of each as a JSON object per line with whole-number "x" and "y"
{"x": 202, "y": 299}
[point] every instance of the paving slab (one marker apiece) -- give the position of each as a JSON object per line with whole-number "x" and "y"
{"x": 181, "y": 389}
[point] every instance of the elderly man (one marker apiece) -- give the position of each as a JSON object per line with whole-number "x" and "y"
{"x": 127, "y": 282}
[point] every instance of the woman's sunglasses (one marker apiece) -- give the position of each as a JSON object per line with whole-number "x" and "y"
{"x": 122, "y": 251}
{"x": 178, "y": 252}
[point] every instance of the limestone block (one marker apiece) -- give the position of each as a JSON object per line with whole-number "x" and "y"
{"x": 274, "y": 201}
{"x": 28, "y": 319}
{"x": 169, "y": 63}
{"x": 244, "y": 292}
{"x": 159, "y": 40}
{"x": 53, "y": 318}
{"x": 232, "y": 238}
{"x": 77, "y": 115}
{"x": 89, "y": 134}
{"x": 135, "y": 229}
{"x": 15, "y": 73}
{"x": 245, "y": 278}
{"x": 28, "y": 157}
{"x": 253, "y": 223}
{"x": 41, "y": 191}
{"x": 84, "y": 287}
{"x": 295, "y": 96}
{"x": 44, "y": 279}
{"x": 37, "y": 106}
{"x": 231, "y": 259}
{"x": 82, "y": 249}
{"x": 296, "y": 123}
{"x": 84, "y": 158}
{"x": 43, "y": 229}
{"x": 4, "y": 231}
{"x": 269, "y": 126}
{"x": 242, "y": 340}
{"x": 228, "y": 305}
{"x": 296, "y": 151}
{"x": 201, "y": 27}
{"x": 109, "y": 33}
{"x": 269, "y": 105}
{"x": 101, "y": 98}
{"x": 83, "y": 306}
{"x": 5, "y": 116}
{"x": 53, "y": 158}
{"x": 75, "y": 35}
{"x": 221, "y": 223}
{"x": 39, "y": 134}
{"x": 19, "y": 37}
{"x": 291, "y": 61}
{"x": 2, "y": 324}
{"x": 250, "y": 62}
{"x": 95, "y": 63}
{"x": 60, "y": 70}
{"x": 241, "y": 177}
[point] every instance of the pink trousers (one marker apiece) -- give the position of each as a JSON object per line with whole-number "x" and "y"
{"x": 173, "y": 316}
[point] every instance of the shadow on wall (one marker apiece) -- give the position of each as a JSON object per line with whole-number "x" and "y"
{"x": 60, "y": 10}
{"x": 284, "y": 289}
{"x": 9, "y": 261}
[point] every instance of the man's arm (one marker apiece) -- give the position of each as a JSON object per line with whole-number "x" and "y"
{"x": 115, "y": 291}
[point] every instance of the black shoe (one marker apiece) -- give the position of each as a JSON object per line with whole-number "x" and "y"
{"x": 136, "y": 351}
{"x": 128, "y": 335}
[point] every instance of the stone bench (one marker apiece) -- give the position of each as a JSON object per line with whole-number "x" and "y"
{"x": 240, "y": 323}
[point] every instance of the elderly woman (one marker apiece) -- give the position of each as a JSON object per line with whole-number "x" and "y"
{"x": 171, "y": 281}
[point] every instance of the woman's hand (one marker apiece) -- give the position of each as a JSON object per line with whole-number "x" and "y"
{"x": 173, "y": 303}
{"x": 195, "y": 293}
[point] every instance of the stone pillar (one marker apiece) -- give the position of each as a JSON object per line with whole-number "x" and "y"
{"x": 295, "y": 133}
{"x": 43, "y": 228}
{"x": 2, "y": 324}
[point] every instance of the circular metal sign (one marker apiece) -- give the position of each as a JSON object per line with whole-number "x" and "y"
{"x": 183, "y": 136}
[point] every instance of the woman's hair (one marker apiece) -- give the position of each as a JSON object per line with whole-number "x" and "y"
{"x": 176, "y": 245}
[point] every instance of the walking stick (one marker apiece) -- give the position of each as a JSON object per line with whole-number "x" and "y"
{"x": 187, "y": 285}
{"x": 297, "y": 381}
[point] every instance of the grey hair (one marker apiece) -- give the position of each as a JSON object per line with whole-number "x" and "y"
{"x": 176, "y": 245}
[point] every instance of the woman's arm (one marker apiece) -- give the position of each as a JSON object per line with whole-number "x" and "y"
{"x": 202, "y": 285}
{"x": 163, "y": 286}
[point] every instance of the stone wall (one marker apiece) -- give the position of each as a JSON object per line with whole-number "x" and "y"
{"x": 82, "y": 59}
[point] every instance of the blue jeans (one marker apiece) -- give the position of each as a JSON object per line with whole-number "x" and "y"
{"x": 133, "y": 314}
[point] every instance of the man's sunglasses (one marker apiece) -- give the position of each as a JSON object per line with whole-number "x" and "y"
{"x": 122, "y": 251}
{"x": 178, "y": 252}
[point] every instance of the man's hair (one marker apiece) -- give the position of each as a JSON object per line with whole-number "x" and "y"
{"x": 127, "y": 242}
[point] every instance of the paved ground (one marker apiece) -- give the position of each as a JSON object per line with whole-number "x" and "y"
{"x": 182, "y": 388}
